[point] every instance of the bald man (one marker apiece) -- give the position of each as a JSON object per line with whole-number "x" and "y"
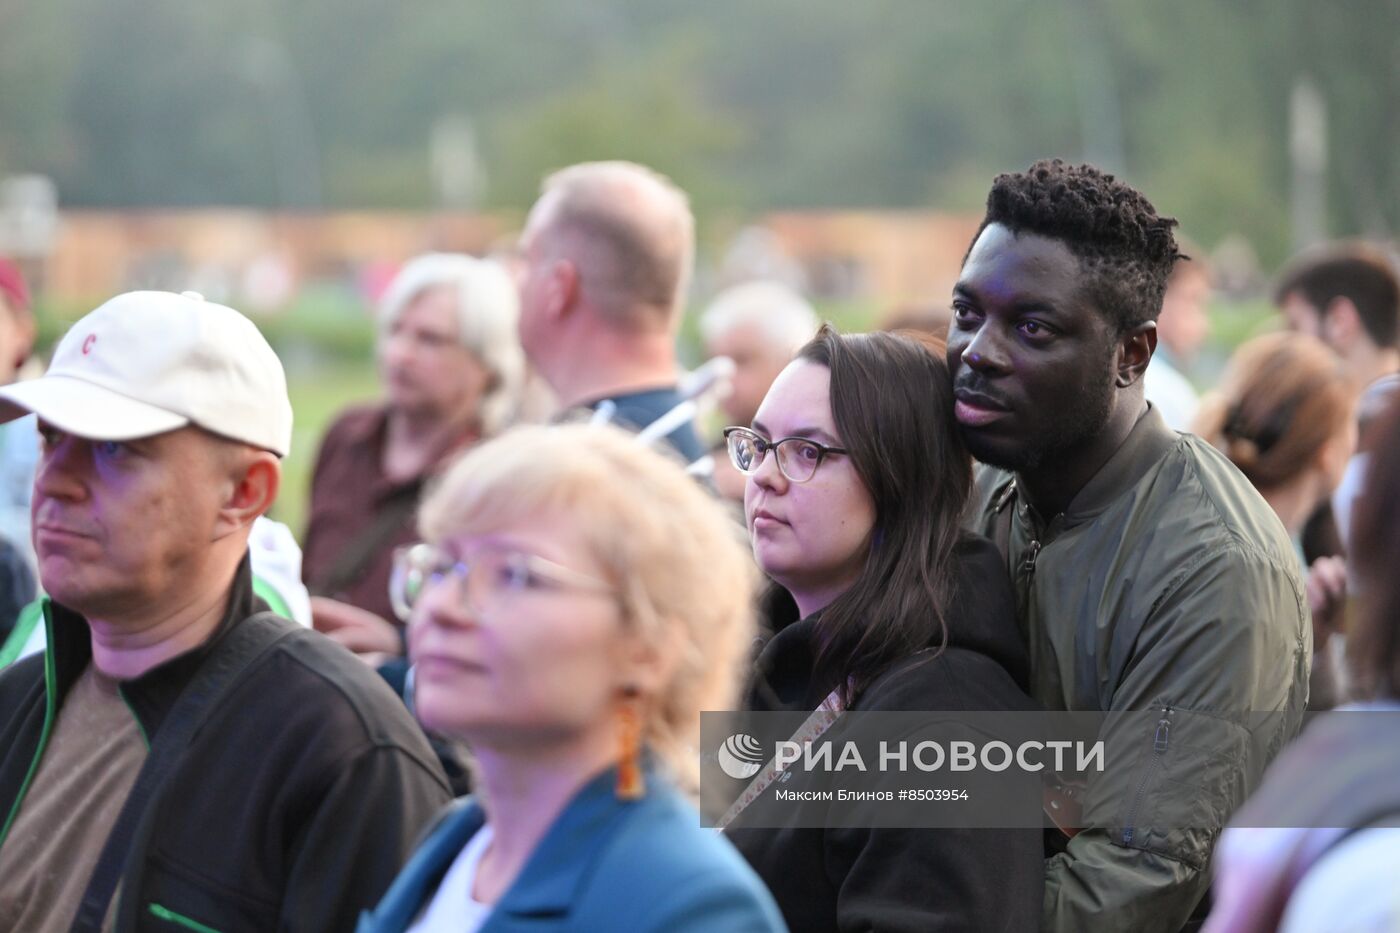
{"x": 606, "y": 257}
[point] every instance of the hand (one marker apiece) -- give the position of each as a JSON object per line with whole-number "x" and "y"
{"x": 1327, "y": 593}
{"x": 361, "y": 631}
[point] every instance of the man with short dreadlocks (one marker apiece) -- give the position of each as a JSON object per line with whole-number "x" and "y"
{"x": 1151, "y": 578}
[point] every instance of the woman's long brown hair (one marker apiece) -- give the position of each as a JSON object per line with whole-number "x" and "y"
{"x": 892, "y": 402}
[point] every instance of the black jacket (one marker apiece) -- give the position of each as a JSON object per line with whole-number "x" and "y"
{"x": 896, "y": 879}
{"x": 294, "y": 806}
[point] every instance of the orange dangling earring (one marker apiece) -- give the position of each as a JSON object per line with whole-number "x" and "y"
{"x": 630, "y": 784}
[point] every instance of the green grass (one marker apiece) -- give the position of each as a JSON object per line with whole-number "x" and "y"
{"x": 1231, "y": 324}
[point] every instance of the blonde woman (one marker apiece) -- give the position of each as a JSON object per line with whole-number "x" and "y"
{"x": 577, "y": 602}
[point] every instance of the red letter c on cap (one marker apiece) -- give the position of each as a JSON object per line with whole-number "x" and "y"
{"x": 88, "y": 341}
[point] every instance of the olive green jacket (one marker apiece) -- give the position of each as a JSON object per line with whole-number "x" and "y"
{"x": 1168, "y": 584}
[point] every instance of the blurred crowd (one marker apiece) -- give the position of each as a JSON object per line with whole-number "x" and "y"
{"x": 467, "y": 694}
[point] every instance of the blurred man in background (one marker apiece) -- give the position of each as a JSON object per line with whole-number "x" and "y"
{"x": 758, "y": 325}
{"x": 605, "y": 260}
{"x": 1347, "y": 295}
{"x": 1181, "y": 330}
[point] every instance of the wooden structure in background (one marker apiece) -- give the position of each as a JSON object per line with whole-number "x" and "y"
{"x": 887, "y": 258}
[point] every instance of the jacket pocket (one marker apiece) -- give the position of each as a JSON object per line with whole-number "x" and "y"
{"x": 1189, "y": 779}
{"x": 182, "y": 899}
{"x": 1161, "y": 742}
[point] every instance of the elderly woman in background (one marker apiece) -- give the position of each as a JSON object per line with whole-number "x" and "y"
{"x": 452, "y": 368}
{"x": 1283, "y": 415}
{"x": 577, "y": 602}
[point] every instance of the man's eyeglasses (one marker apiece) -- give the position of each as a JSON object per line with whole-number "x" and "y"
{"x": 483, "y": 580}
{"x": 798, "y": 457}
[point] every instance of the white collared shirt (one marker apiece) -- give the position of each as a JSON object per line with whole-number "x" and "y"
{"x": 453, "y": 909}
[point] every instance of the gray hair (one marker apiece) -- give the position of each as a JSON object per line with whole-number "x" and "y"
{"x": 488, "y": 311}
{"x": 781, "y": 314}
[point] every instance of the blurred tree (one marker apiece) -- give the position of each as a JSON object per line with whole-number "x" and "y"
{"x": 749, "y": 105}
{"x": 37, "y": 63}
{"x": 649, "y": 111}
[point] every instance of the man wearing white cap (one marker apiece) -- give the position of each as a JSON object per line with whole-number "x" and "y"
{"x": 179, "y": 755}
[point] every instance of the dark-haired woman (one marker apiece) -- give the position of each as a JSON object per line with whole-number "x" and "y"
{"x": 856, "y": 483}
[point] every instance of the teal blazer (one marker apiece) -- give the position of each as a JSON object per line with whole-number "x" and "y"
{"x": 606, "y": 864}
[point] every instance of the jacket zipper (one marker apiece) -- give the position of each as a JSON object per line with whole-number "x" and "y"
{"x": 1032, "y": 552}
{"x": 1029, "y": 558}
{"x": 50, "y": 714}
{"x": 1160, "y": 738}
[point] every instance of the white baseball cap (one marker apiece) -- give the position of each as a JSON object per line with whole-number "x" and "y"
{"x": 149, "y": 362}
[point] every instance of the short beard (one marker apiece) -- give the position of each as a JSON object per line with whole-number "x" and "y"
{"x": 1077, "y": 427}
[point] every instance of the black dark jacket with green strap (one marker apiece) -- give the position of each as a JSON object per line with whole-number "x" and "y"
{"x": 293, "y": 807}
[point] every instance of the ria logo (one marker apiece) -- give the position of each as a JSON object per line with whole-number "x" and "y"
{"x": 740, "y": 756}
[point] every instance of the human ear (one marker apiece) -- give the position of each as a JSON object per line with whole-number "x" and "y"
{"x": 644, "y": 665}
{"x": 249, "y": 492}
{"x": 1341, "y": 323}
{"x": 1135, "y": 349}
{"x": 562, "y": 288}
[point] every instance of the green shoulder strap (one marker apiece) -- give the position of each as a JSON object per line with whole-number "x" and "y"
{"x": 32, "y": 615}
{"x": 29, "y": 618}
{"x": 268, "y": 594}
